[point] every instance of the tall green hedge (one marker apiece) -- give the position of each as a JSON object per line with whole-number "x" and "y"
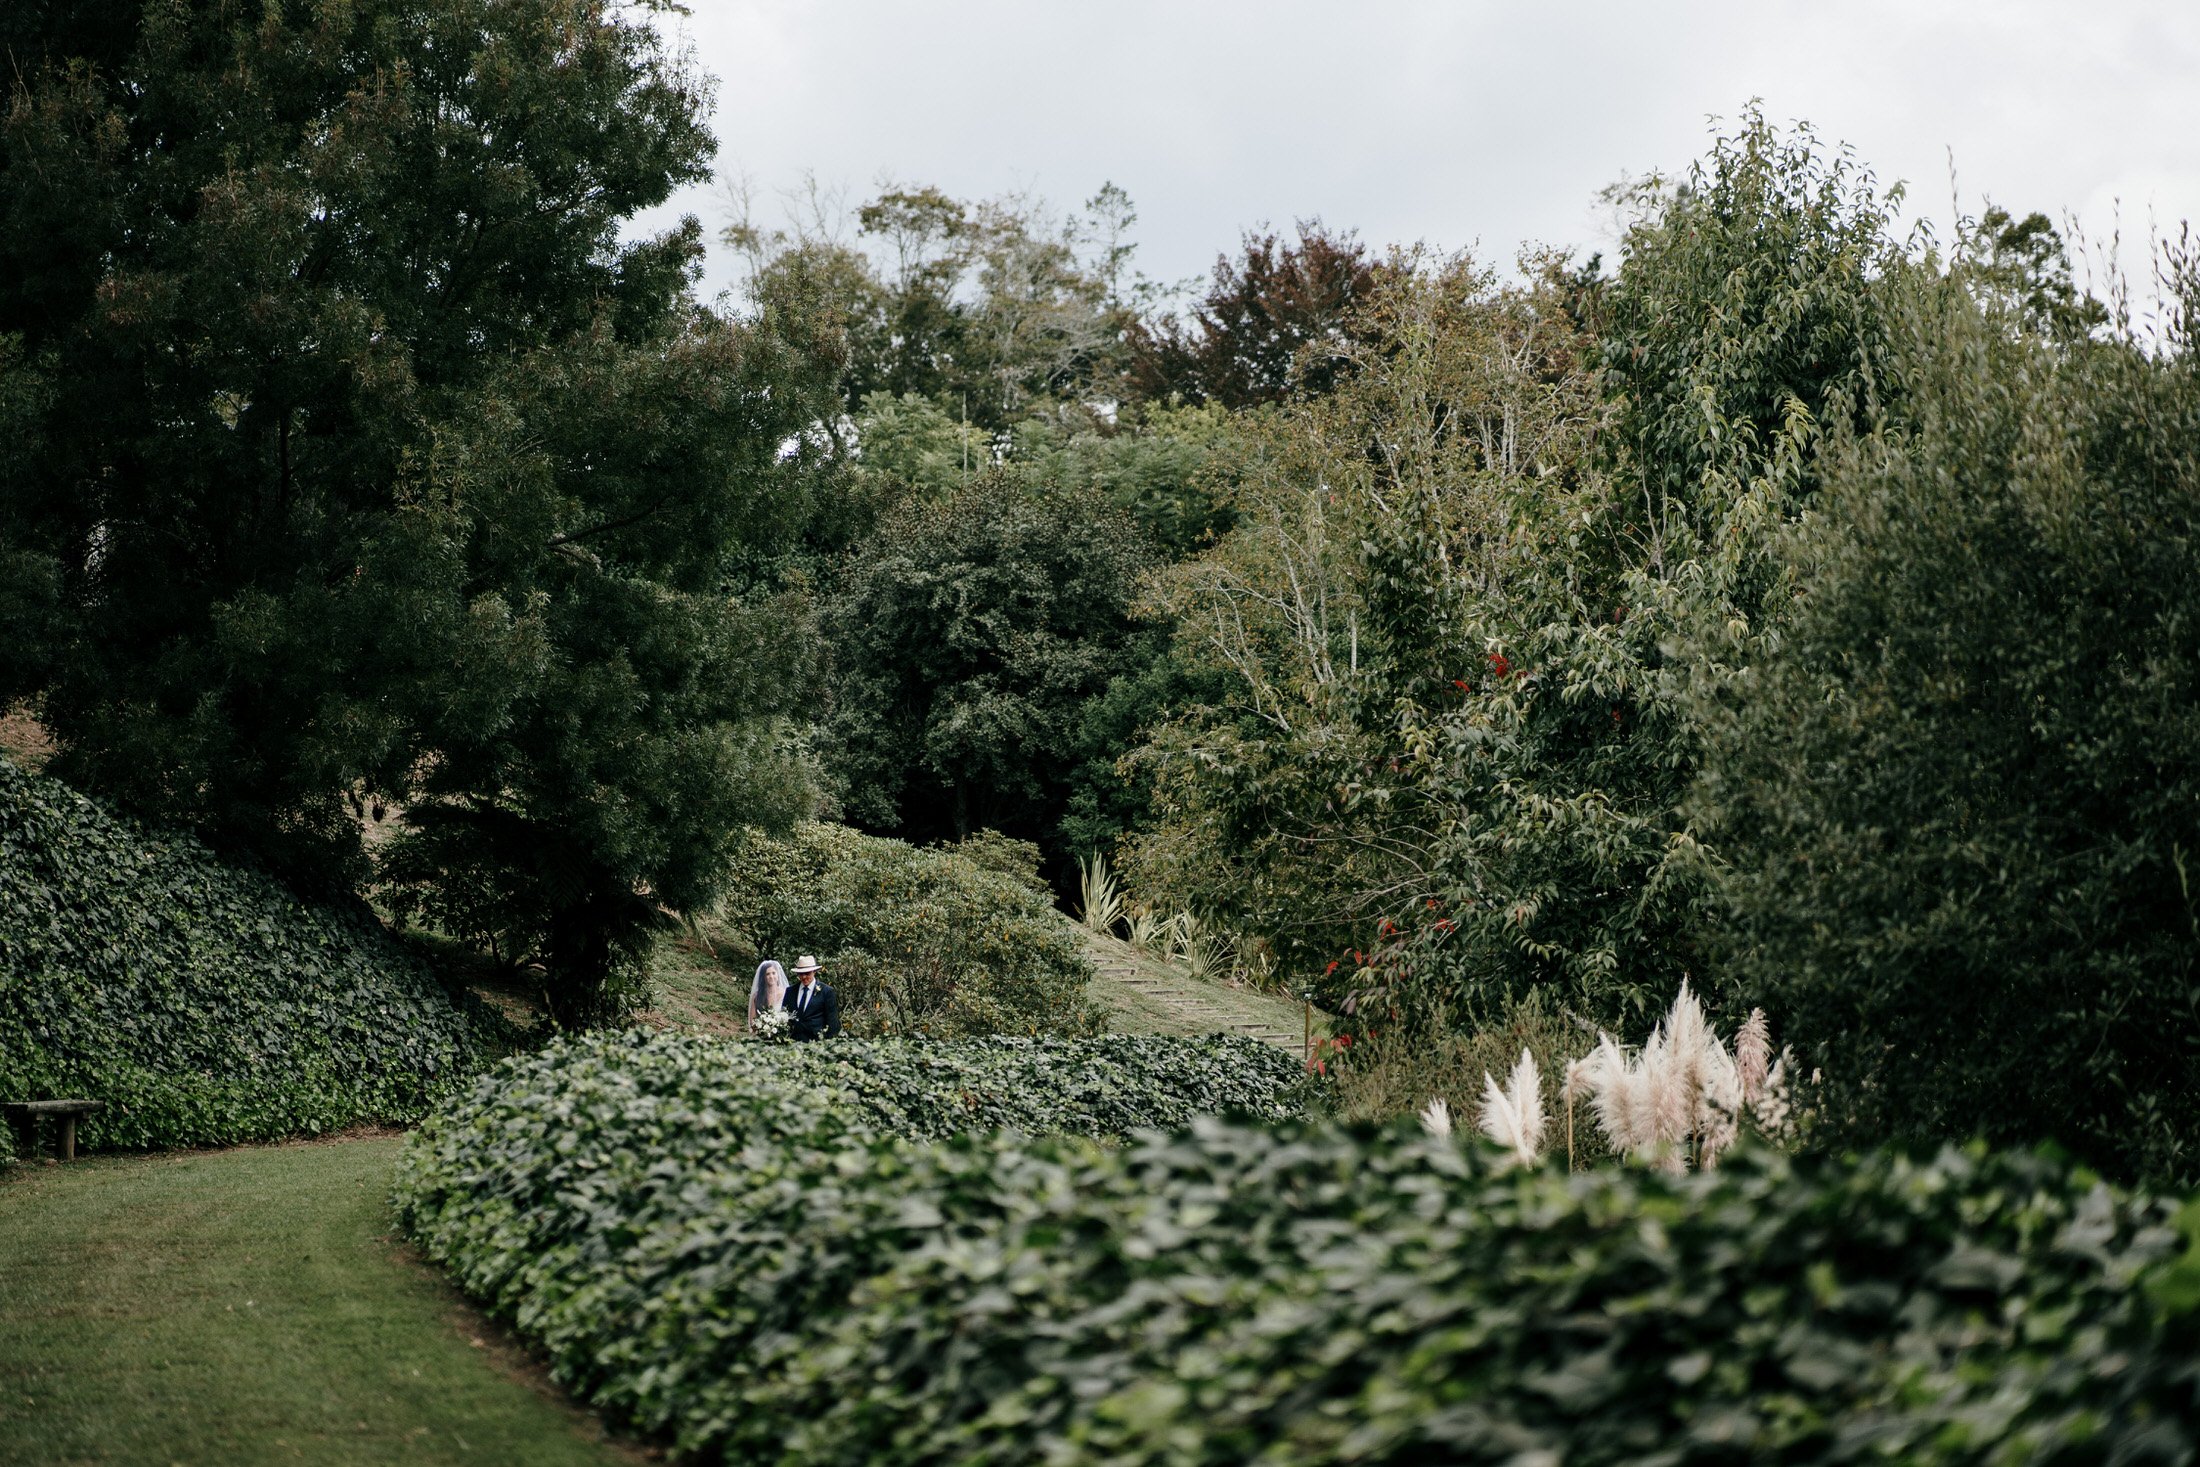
{"x": 721, "y": 1247}
{"x": 672, "y": 1217}
{"x": 204, "y": 1003}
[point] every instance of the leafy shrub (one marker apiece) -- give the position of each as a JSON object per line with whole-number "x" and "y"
{"x": 1239, "y": 1294}
{"x": 916, "y": 941}
{"x": 725, "y": 1251}
{"x": 668, "y": 1215}
{"x": 1019, "y": 859}
{"x": 1959, "y": 803}
{"x": 204, "y": 1003}
{"x": 969, "y": 638}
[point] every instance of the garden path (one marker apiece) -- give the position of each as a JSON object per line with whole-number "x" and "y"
{"x": 1144, "y": 995}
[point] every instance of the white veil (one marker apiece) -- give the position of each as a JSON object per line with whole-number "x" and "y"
{"x": 768, "y": 990}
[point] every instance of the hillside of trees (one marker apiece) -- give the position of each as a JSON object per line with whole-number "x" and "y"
{"x": 1786, "y": 603}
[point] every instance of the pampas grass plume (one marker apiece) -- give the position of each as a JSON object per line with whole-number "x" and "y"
{"x": 1513, "y": 1117}
{"x": 1436, "y": 1117}
{"x": 1682, "y": 1096}
{"x": 1753, "y": 1054}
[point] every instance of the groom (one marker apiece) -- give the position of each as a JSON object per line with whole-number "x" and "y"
{"x": 813, "y": 1009}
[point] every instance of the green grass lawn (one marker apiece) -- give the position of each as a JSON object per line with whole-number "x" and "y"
{"x": 250, "y": 1306}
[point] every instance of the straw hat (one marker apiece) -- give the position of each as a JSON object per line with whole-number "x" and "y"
{"x": 805, "y": 964}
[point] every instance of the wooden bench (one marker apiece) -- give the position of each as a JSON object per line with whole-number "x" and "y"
{"x": 24, "y": 1115}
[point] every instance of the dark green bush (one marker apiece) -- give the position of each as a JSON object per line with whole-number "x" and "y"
{"x": 970, "y": 637}
{"x": 1961, "y": 802}
{"x": 715, "y": 1243}
{"x": 916, "y": 941}
{"x": 204, "y": 1003}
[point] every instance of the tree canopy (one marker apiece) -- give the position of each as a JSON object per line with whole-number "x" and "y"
{"x": 970, "y": 636}
{"x": 375, "y": 462}
{"x": 1792, "y": 606}
{"x": 1277, "y": 319}
{"x": 1956, "y": 805}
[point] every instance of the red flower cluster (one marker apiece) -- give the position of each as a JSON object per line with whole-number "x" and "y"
{"x": 1499, "y": 665}
{"x": 1318, "y": 1064}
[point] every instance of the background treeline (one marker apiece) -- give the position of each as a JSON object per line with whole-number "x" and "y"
{"x": 1801, "y": 606}
{"x": 1792, "y": 604}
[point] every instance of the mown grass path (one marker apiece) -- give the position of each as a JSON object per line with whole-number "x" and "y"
{"x": 1143, "y": 995}
{"x": 250, "y": 1306}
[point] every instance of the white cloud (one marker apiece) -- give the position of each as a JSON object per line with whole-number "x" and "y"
{"x": 1453, "y": 121}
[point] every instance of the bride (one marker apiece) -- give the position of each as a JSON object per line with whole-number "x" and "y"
{"x": 768, "y": 990}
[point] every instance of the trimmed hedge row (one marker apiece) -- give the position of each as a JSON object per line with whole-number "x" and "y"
{"x": 204, "y": 1003}
{"x": 673, "y": 1216}
{"x": 718, "y": 1245}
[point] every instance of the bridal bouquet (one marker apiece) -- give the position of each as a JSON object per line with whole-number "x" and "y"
{"x": 771, "y": 1026}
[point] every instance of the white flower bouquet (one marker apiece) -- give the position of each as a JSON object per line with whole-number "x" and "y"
{"x": 771, "y": 1026}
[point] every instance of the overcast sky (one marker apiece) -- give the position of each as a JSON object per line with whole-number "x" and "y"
{"x": 1460, "y": 124}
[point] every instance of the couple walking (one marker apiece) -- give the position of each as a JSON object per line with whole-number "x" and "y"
{"x": 812, "y": 1008}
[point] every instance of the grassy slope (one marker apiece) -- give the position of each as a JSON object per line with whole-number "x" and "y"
{"x": 1144, "y": 995}
{"x": 695, "y": 986}
{"x": 249, "y": 1306}
{"x": 701, "y": 983}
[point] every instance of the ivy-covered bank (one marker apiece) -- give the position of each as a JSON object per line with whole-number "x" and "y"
{"x": 204, "y": 1003}
{"x": 740, "y": 1249}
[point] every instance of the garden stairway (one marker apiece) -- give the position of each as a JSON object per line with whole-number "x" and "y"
{"x": 1147, "y": 996}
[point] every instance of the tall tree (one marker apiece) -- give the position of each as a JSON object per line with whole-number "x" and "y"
{"x": 1959, "y": 802}
{"x": 989, "y": 309}
{"x": 1470, "y": 592}
{"x": 1385, "y": 541}
{"x": 1277, "y": 319}
{"x": 971, "y": 636}
{"x": 375, "y": 463}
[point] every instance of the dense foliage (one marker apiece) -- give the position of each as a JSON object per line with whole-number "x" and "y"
{"x": 373, "y": 463}
{"x": 1003, "y": 485}
{"x": 670, "y": 1217}
{"x": 1961, "y": 802}
{"x": 1361, "y": 599}
{"x": 1457, "y": 742}
{"x": 968, "y": 637}
{"x": 1276, "y": 322}
{"x": 203, "y": 1002}
{"x": 987, "y": 309}
{"x": 719, "y": 1253}
{"x": 1791, "y": 606}
{"x": 915, "y": 941}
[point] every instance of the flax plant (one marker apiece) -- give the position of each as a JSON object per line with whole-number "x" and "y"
{"x": 1147, "y": 929}
{"x": 1100, "y": 896}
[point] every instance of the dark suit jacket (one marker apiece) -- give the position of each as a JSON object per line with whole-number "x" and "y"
{"x": 822, "y": 1021}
